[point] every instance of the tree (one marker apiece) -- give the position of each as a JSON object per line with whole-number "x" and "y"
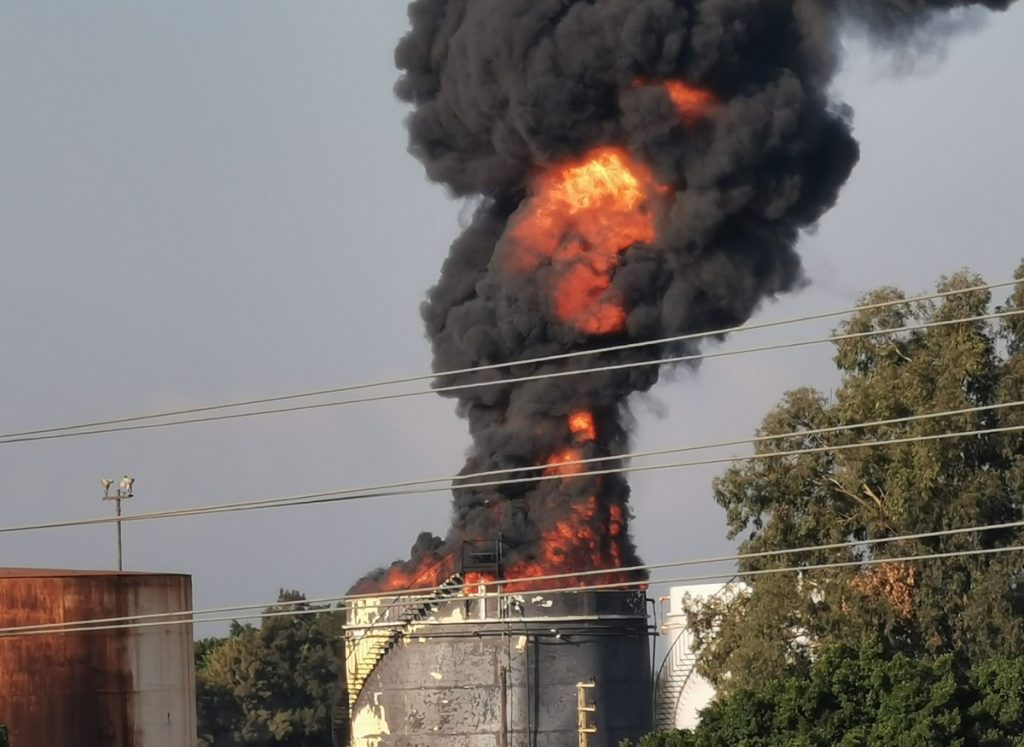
{"x": 664, "y": 739}
{"x": 968, "y": 607}
{"x": 860, "y": 697}
{"x": 271, "y": 685}
{"x": 998, "y": 711}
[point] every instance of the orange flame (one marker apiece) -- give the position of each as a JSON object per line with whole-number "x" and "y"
{"x": 560, "y": 463}
{"x": 582, "y": 216}
{"x": 429, "y": 573}
{"x": 475, "y": 580}
{"x": 586, "y": 537}
{"x": 582, "y": 425}
{"x": 583, "y": 539}
{"x": 615, "y": 523}
{"x": 691, "y": 103}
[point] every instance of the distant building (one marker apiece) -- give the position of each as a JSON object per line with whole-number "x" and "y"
{"x": 680, "y": 692}
{"x": 118, "y": 687}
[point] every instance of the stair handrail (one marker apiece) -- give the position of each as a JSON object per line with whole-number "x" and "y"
{"x": 678, "y": 655}
{"x": 395, "y": 607}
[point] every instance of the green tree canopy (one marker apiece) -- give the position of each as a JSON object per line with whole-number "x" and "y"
{"x": 272, "y": 685}
{"x": 862, "y": 697}
{"x": 969, "y": 606}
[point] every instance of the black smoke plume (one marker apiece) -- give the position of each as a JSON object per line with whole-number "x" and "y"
{"x": 501, "y": 90}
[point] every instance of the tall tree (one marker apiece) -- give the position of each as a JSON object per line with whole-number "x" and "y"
{"x": 271, "y": 686}
{"x": 857, "y": 697}
{"x": 969, "y": 606}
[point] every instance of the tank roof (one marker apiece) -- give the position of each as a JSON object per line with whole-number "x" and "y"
{"x": 65, "y": 572}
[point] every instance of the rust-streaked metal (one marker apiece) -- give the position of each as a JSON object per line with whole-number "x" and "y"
{"x": 113, "y": 688}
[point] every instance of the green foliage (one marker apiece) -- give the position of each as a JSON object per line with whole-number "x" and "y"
{"x": 862, "y": 697}
{"x": 882, "y": 652}
{"x": 664, "y": 739}
{"x": 998, "y": 712}
{"x": 969, "y": 606}
{"x": 3, "y": 736}
{"x": 272, "y": 685}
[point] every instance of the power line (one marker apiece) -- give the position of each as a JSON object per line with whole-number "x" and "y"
{"x": 335, "y": 496}
{"x": 457, "y": 480}
{"x": 522, "y": 362}
{"x": 119, "y": 424}
{"x": 521, "y": 379}
{"x": 719, "y": 576}
{"x": 648, "y": 567}
{"x": 33, "y": 630}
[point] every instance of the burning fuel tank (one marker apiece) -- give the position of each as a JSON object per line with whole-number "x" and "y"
{"x": 110, "y": 687}
{"x": 472, "y": 668}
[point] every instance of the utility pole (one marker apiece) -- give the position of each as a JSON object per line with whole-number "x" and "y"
{"x": 124, "y": 492}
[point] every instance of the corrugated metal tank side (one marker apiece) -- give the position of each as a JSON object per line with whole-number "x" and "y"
{"x": 103, "y": 688}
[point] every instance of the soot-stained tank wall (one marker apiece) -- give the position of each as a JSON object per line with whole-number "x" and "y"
{"x": 113, "y": 688}
{"x": 454, "y": 679}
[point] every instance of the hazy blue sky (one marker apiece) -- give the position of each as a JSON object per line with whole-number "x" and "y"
{"x": 205, "y": 201}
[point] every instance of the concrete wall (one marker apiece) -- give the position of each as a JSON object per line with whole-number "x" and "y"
{"x": 119, "y": 688}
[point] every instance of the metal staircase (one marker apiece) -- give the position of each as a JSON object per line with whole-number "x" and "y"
{"x": 673, "y": 678}
{"x": 677, "y": 677}
{"x": 392, "y": 624}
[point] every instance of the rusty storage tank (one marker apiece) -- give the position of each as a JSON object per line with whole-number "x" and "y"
{"x": 131, "y": 687}
{"x": 483, "y": 670}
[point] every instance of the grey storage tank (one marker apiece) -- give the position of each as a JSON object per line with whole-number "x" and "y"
{"x": 473, "y": 668}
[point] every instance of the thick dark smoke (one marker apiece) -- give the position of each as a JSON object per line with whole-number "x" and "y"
{"x": 898, "y": 19}
{"x": 501, "y": 89}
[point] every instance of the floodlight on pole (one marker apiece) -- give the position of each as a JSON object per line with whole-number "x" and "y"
{"x": 124, "y": 491}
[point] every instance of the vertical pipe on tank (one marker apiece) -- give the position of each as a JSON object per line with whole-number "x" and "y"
{"x": 532, "y": 666}
{"x": 653, "y": 638}
{"x": 504, "y": 706}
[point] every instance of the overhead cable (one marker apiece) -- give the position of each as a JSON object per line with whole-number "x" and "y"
{"x": 646, "y": 567}
{"x": 865, "y": 562}
{"x": 134, "y": 423}
{"x": 335, "y": 496}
